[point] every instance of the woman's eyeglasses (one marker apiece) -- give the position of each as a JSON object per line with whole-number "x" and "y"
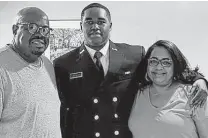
{"x": 164, "y": 62}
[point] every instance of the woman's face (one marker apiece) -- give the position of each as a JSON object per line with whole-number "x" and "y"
{"x": 160, "y": 67}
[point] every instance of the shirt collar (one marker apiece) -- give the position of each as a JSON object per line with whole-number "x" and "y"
{"x": 104, "y": 50}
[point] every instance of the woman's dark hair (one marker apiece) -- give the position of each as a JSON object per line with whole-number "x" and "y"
{"x": 182, "y": 71}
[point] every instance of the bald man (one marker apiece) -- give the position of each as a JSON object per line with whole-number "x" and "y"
{"x": 29, "y": 102}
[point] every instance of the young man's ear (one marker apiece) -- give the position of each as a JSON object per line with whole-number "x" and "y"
{"x": 81, "y": 25}
{"x": 111, "y": 26}
{"x": 14, "y": 29}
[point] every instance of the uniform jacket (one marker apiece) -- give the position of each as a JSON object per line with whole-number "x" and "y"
{"x": 89, "y": 102}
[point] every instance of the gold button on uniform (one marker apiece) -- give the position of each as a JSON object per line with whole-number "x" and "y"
{"x": 95, "y": 100}
{"x": 116, "y": 115}
{"x": 116, "y": 132}
{"x": 96, "y": 117}
{"x": 115, "y": 99}
{"x": 97, "y": 134}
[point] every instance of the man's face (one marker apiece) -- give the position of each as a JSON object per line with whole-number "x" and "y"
{"x": 96, "y": 27}
{"x": 31, "y": 46}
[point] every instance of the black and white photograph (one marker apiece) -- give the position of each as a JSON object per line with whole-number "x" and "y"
{"x": 103, "y": 69}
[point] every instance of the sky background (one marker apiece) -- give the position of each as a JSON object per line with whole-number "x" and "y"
{"x": 137, "y": 23}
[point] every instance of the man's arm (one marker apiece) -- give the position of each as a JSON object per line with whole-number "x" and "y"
{"x": 200, "y": 96}
{"x": 62, "y": 86}
{"x": 1, "y": 99}
{"x": 2, "y": 89}
{"x": 199, "y": 91}
{"x": 200, "y": 118}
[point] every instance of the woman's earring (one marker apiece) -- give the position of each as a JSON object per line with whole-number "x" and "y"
{"x": 175, "y": 78}
{"x": 147, "y": 77}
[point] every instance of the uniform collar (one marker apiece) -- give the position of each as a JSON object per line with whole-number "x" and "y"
{"x": 104, "y": 50}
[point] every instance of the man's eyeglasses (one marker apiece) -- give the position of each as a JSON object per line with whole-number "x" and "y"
{"x": 164, "y": 62}
{"x": 33, "y": 28}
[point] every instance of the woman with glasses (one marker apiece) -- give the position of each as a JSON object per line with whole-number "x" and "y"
{"x": 161, "y": 108}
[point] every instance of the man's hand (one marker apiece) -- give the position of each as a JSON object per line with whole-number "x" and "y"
{"x": 199, "y": 93}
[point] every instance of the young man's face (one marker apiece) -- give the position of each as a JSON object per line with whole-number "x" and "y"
{"x": 96, "y": 27}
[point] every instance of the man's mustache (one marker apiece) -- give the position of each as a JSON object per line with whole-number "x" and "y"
{"x": 95, "y": 31}
{"x": 38, "y": 37}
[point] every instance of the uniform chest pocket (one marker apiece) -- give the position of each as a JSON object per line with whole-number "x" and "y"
{"x": 124, "y": 77}
{"x": 75, "y": 81}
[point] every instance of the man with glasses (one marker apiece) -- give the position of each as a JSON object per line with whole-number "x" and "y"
{"x": 29, "y": 102}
